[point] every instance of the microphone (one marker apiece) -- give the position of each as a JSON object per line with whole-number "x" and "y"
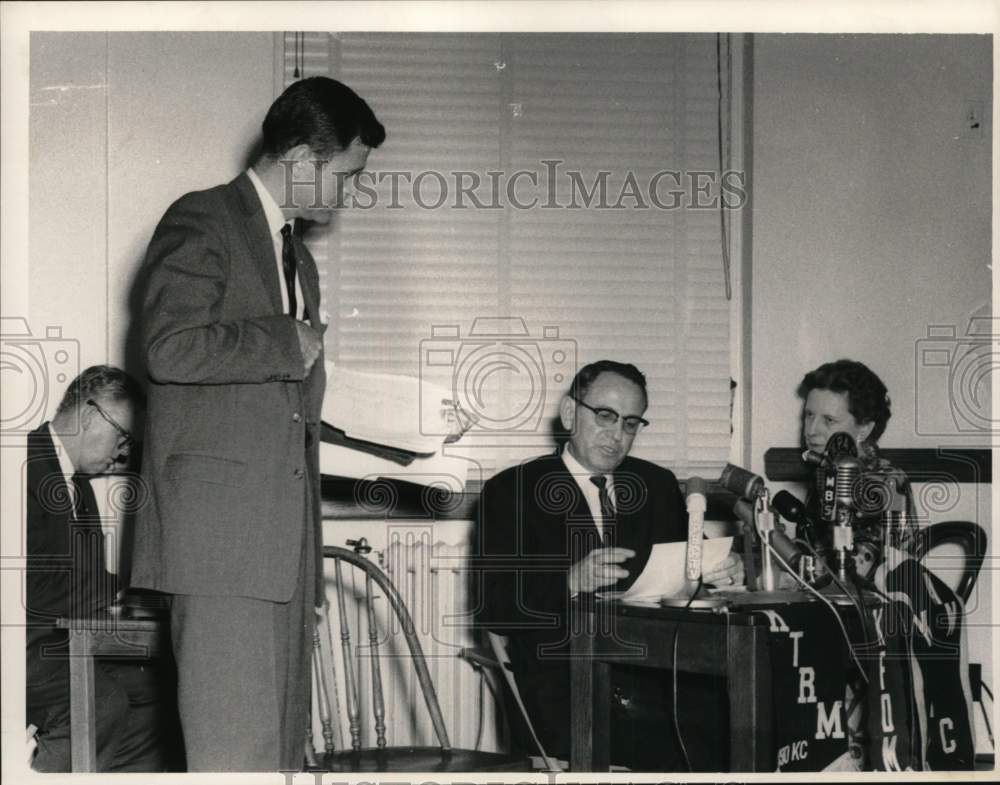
{"x": 839, "y": 445}
{"x": 847, "y": 469}
{"x": 790, "y": 508}
{"x": 813, "y": 457}
{"x": 750, "y": 486}
{"x": 743, "y": 483}
{"x": 696, "y": 505}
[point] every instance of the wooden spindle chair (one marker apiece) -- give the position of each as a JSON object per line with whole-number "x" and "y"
{"x": 337, "y": 756}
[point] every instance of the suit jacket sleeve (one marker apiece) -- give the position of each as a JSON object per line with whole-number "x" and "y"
{"x": 524, "y": 581}
{"x": 186, "y": 340}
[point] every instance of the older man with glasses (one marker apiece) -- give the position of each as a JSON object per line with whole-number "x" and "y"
{"x": 90, "y": 435}
{"x": 567, "y": 525}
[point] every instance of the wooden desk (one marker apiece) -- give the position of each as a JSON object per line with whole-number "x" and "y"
{"x": 732, "y": 645}
{"x": 101, "y": 636}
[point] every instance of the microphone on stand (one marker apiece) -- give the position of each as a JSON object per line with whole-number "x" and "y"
{"x": 744, "y": 484}
{"x": 847, "y": 469}
{"x": 791, "y": 509}
{"x": 751, "y": 487}
{"x": 839, "y": 445}
{"x": 697, "y": 503}
{"x": 813, "y": 457}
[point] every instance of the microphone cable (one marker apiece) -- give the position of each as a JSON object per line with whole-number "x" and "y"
{"x": 842, "y": 587}
{"x": 673, "y": 674}
{"x": 833, "y": 610}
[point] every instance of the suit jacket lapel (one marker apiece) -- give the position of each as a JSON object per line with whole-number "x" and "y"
{"x": 580, "y": 534}
{"x": 259, "y": 236}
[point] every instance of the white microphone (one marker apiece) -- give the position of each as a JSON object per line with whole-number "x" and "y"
{"x": 696, "y": 506}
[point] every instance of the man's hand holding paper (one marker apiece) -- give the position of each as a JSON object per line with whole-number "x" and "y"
{"x": 664, "y": 573}
{"x": 728, "y": 573}
{"x": 598, "y": 568}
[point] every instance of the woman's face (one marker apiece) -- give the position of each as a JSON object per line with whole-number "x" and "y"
{"x": 825, "y": 413}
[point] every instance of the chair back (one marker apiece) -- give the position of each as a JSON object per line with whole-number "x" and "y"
{"x": 376, "y": 585}
{"x": 969, "y": 536}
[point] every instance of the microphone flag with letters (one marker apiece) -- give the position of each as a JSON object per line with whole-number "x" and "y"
{"x": 921, "y": 648}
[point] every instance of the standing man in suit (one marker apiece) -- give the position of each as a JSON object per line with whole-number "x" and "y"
{"x": 233, "y": 343}
{"x": 90, "y": 433}
{"x": 567, "y": 525}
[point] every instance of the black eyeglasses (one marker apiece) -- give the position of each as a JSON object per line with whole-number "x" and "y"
{"x": 607, "y": 418}
{"x": 126, "y": 437}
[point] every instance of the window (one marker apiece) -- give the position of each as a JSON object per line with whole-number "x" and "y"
{"x": 561, "y": 189}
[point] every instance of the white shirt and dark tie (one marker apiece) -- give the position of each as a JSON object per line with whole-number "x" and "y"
{"x": 281, "y": 230}
{"x": 590, "y": 485}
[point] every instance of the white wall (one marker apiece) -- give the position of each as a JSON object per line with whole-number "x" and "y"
{"x": 871, "y": 221}
{"x": 121, "y": 125}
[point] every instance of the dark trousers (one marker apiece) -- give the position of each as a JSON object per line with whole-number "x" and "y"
{"x": 244, "y": 677}
{"x": 135, "y": 721}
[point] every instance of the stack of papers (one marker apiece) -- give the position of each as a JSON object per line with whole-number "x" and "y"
{"x": 404, "y": 413}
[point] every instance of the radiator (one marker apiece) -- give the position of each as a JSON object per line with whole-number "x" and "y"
{"x": 433, "y": 579}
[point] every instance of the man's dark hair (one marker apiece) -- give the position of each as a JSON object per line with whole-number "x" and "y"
{"x": 867, "y": 397}
{"x": 322, "y": 113}
{"x": 101, "y": 382}
{"x": 586, "y": 375}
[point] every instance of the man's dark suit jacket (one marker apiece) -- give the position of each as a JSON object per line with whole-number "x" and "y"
{"x": 66, "y": 572}
{"x": 534, "y": 524}
{"x": 231, "y": 456}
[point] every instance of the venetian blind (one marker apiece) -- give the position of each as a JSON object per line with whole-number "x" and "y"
{"x": 535, "y": 207}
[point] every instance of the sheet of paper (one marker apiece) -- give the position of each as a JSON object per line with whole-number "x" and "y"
{"x": 398, "y": 411}
{"x": 664, "y": 575}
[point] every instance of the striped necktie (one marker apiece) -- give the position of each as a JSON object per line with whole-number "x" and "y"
{"x": 608, "y": 514}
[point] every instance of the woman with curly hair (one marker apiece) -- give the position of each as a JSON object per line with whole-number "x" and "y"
{"x": 846, "y": 396}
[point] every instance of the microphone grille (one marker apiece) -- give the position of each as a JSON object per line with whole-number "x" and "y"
{"x": 848, "y": 470}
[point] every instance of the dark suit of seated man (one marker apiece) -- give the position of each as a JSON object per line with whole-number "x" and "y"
{"x": 570, "y": 524}
{"x": 67, "y": 577}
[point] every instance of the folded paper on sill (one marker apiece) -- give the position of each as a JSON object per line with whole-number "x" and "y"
{"x": 403, "y": 412}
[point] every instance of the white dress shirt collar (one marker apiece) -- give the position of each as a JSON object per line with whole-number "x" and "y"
{"x": 581, "y": 475}
{"x": 65, "y": 464}
{"x": 275, "y": 218}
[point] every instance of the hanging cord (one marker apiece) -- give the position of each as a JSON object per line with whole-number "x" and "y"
{"x": 723, "y": 156}
{"x": 989, "y": 731}
{"x": 673, "y": 669}
{"x": 299, "y": 54}
{"x": 843, "y": 588}
{"x": 482, "y": 708}
{"x": 833, "y": 610}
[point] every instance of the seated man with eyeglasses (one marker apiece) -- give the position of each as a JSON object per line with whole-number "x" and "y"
{"x": 90, "y": 435}
{"x": 568, "y": 525}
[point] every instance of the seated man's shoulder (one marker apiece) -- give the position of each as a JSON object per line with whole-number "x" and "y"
{"x": 527, "y": 471}
{"x": 647, "y": 470}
